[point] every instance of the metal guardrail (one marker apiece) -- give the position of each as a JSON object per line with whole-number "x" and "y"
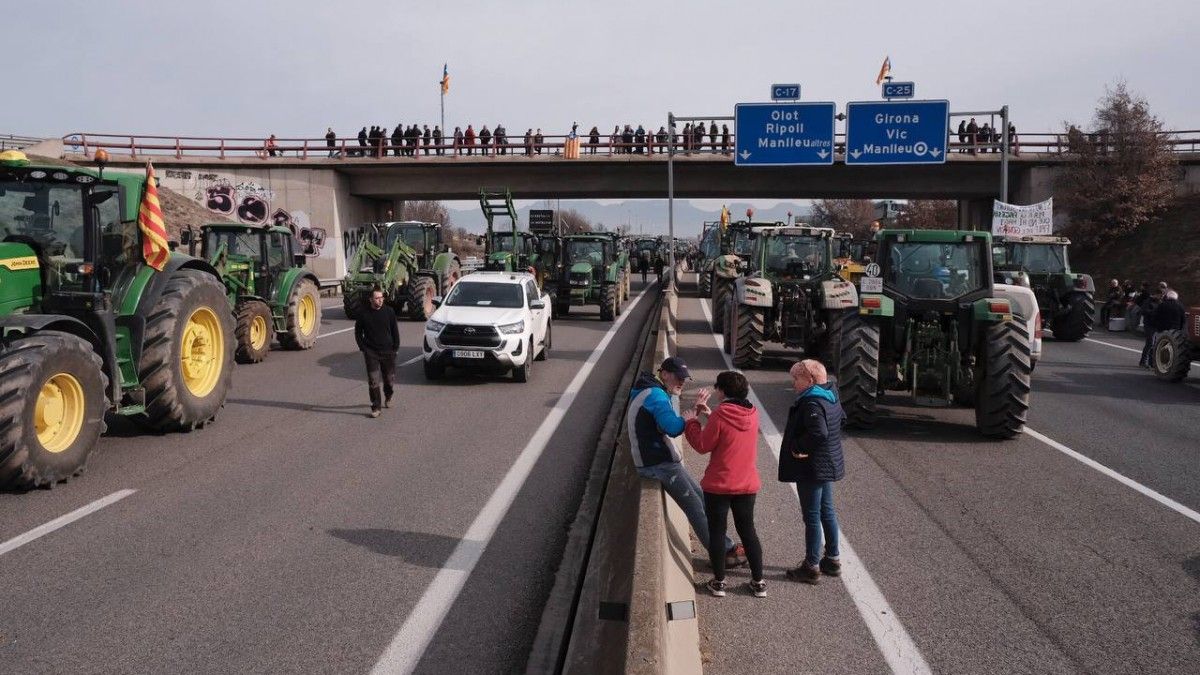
{"x": 15, "y": 142}
{"x": 516, "y": 148}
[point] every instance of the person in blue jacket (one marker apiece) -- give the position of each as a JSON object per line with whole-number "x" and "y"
{"x": 811, "y": 457}
{"x": 653, "y": 423}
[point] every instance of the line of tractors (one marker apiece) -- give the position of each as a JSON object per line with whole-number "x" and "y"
{"x": 915, "y": 311}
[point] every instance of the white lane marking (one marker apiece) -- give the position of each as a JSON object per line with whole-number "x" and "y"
{"x": 1128, "y": 482}
{"x": 413, "y": 638}
{"x": 894, "y": 643}
{"x": 344, "y": 330}
{"x": 1128, "y": 349}
{"x": 62, "y": 521}
{"x": 413, "y": 360}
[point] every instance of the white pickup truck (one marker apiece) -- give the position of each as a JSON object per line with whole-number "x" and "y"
{"x": 490, "y": 321}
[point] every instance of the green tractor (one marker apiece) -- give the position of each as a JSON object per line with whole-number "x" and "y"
{"x": 408, "y": 260}
{"x": 791, "y": 295}
{"x": 271, "y": 291}
{"x": 595, "y": 275}
{"x": 930, "y": 324}
{"x": 1066, "y": 299}
{"x": 508, "y": 250}
{"x": 710, "y": 249}
{"x": 736, "y": 248}
{"x": 88, "y": 328}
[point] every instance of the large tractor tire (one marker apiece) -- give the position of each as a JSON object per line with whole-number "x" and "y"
{"x": 704, "y": 284}
{"x": 1077, "y": 322}
{"x": 353, "y": 304}
{"x": 420, "y": 292}
{"x": 620, "y": 303}
{"x": 303, "y": 320}
{"x": 1002, "y": 401}
{"x": 627, "y": 283}
{"x": 721, "y": 293}
{"x": 1172, "y": 356}
{"x": 254, "y": 331}
{"x": 748, "y": 346}
{"x": 52, "y": 404}
{"x": 188, "y": 354}
{"x": 727, "y": 333}
{"x": 608, "y": 303}
{"x": 853, "y": 347}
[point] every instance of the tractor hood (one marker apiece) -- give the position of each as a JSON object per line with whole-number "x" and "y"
{"x": 581, "y": 268}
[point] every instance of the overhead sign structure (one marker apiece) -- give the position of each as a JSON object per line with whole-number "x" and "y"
{"x": 541, "y": 221}
{"x": 897, "y": 132}
{"x": 785, "y": 92}
{"x": 783, "y": 134}
{"x": 899, "y": 89}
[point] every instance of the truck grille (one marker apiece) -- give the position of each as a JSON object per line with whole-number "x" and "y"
{"x": 470, "y": 336}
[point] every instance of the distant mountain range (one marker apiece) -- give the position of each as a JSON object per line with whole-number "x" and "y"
{"x": 648, "y": 216}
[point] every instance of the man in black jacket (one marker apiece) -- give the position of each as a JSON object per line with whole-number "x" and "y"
{"x": 811, "y": 457}
{"x": 378, "y": 338}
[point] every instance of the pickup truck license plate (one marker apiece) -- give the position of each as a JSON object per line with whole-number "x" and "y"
{"x": 468, "y": 354}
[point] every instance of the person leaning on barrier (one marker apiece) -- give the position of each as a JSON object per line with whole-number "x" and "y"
{"x": 811, "y": 457}
{"x": 653, "y": 425}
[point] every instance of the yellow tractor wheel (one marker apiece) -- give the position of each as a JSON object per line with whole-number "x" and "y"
{"x": 303, "y": 316}
{"x": 254, "y": 331}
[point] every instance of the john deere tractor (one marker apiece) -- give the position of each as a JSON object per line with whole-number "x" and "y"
{"x": 408, "y": 261}
{"x": 736, "y": 248}
{"x": 271, "y": 291}
{"x": 791, "y": 295}
{"x": 710, "y": 248}
{"x": 931, "y": 325}
{"x": 508, "y": 249}
{"x": 595, "y": 275}
{"x": 88, "y": 328}
{"x": 1066, "y": 299}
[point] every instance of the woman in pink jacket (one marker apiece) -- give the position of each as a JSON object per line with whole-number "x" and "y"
{"x": 731, "y": 481}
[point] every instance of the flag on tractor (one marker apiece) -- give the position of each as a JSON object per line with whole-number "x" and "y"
{"x": 884, "y": 70}
{"x": 724, "y": 218}
{"x": 150, "y": 222}
{"x": 445, "y": 79}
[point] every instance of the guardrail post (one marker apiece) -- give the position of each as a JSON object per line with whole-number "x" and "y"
{"x": 132, "y": 148}
{"x": 178, "y": 150}
{"x": 83, "y": 140}
{"x": 222, "y": 148}
{"x": 305, "y": 149}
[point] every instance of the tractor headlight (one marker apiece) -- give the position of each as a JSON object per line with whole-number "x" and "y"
{"x": 434, "y": 326}
{"x": 513, "y": 328}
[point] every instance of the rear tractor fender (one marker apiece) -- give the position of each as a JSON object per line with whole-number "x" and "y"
{"x": 993, "y": 310}
{"x": 838, "y": 294}
{"x": 1082, "y": 283}
{"x": 754, "y": 292}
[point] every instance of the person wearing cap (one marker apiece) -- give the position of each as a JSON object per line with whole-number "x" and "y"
{"x": 653, "y": 425}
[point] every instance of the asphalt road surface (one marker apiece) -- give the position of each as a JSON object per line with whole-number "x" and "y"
{"x": 1010, "y": 556}
{"x": 298, "y": 535}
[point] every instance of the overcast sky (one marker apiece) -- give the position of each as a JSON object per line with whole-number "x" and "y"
{"x": 250, "y": 68}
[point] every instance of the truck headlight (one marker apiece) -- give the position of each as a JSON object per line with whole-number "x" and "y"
{"x": 513, "y": 328}
{"x": 434, "y": 326}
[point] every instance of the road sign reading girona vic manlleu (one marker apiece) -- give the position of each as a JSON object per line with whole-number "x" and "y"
{"x": 541, "y": 221}
{"x": 897, "y": 132}
{"x": 783, "y": 134}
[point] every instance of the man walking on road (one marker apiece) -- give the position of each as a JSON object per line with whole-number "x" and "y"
{"x": 811, "y": 457}
{"x": 378, "y": 339}
{"x": 653, "y": 424}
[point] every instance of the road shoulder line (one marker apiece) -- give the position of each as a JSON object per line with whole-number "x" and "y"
{"x": 62, "y": 521}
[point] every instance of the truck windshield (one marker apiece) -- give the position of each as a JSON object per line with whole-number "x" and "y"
{"x": 935, "y": 271}
{"x": 485, "y": 294}
{"x": 49, "y": 214}
{"x": 795, "y": 255}
{"x": 591, "y": 252}
{"x": 1038, "y": 258}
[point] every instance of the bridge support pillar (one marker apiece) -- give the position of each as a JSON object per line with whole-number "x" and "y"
{"x": 975, "y": 214}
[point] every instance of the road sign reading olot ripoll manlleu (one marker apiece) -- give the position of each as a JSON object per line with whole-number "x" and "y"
{"x": 897, "y": 132}
{"x": 783, "y": 134}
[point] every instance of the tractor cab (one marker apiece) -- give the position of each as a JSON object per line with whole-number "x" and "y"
{"x": 253, "y": 258}
{"x": 423, "y": 238}
{"x": 792, "y": 253}
{"x": 1066, "y": 299}
{"x": 935, "y": 272}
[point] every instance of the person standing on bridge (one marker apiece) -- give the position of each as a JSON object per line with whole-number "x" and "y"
{"x": 485, "y": 139}
{"x": 469, "y": 139}
{"x": 378, "y": 339}
{"x": 437, "y": 141}
{"x": 811, "y": 457}
{"x": 529, "y": 142}
{"x": 362, "y": 141}
{"x": 973, "y": 134}
{"x": 661, "y": 138}
{"x": 730, "y": 481}
{"x": 712, "y": 135}
{"x": 962, "y": 136}
{"x": 725, "y": 139}
{"x": 458, "y": 140}
{"x": 654, "y": 426}
{"x": 538, "y": 141}
{"x": 593, "y": 140}
{"x": 397, "y": 140}
{"x": 331, "y": 142}
{"x": 426, "y": 139}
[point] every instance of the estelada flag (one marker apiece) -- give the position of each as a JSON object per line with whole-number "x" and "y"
{"x": 724, "y": 218}
{"x": 445, "y": 78}
{"x": 150, "y": 222}
{"x": 884, "y": 70}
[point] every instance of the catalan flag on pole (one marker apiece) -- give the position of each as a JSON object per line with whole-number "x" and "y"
{"x": 445, "y": 79}
{"x": 724, "y": 218}
{"x": 884, "y": 70}
{"x": 150, "y": 222}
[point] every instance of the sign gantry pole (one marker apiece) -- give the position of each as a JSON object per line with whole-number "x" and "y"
{"x": 671, "y": 191}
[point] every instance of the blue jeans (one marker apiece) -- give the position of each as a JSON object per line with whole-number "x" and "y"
{"x": 686, "y": 492}
{"x": 816, "y": 505}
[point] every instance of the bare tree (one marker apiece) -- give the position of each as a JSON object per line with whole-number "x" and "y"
{"x": 462, "y": 242}
{"x": 928, "y": 214}
{"x": 426, "y": 211}
{"x": 845, "y": 215}
{"x": 574, "y": 222}
{"x": 1123, "y": 174}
